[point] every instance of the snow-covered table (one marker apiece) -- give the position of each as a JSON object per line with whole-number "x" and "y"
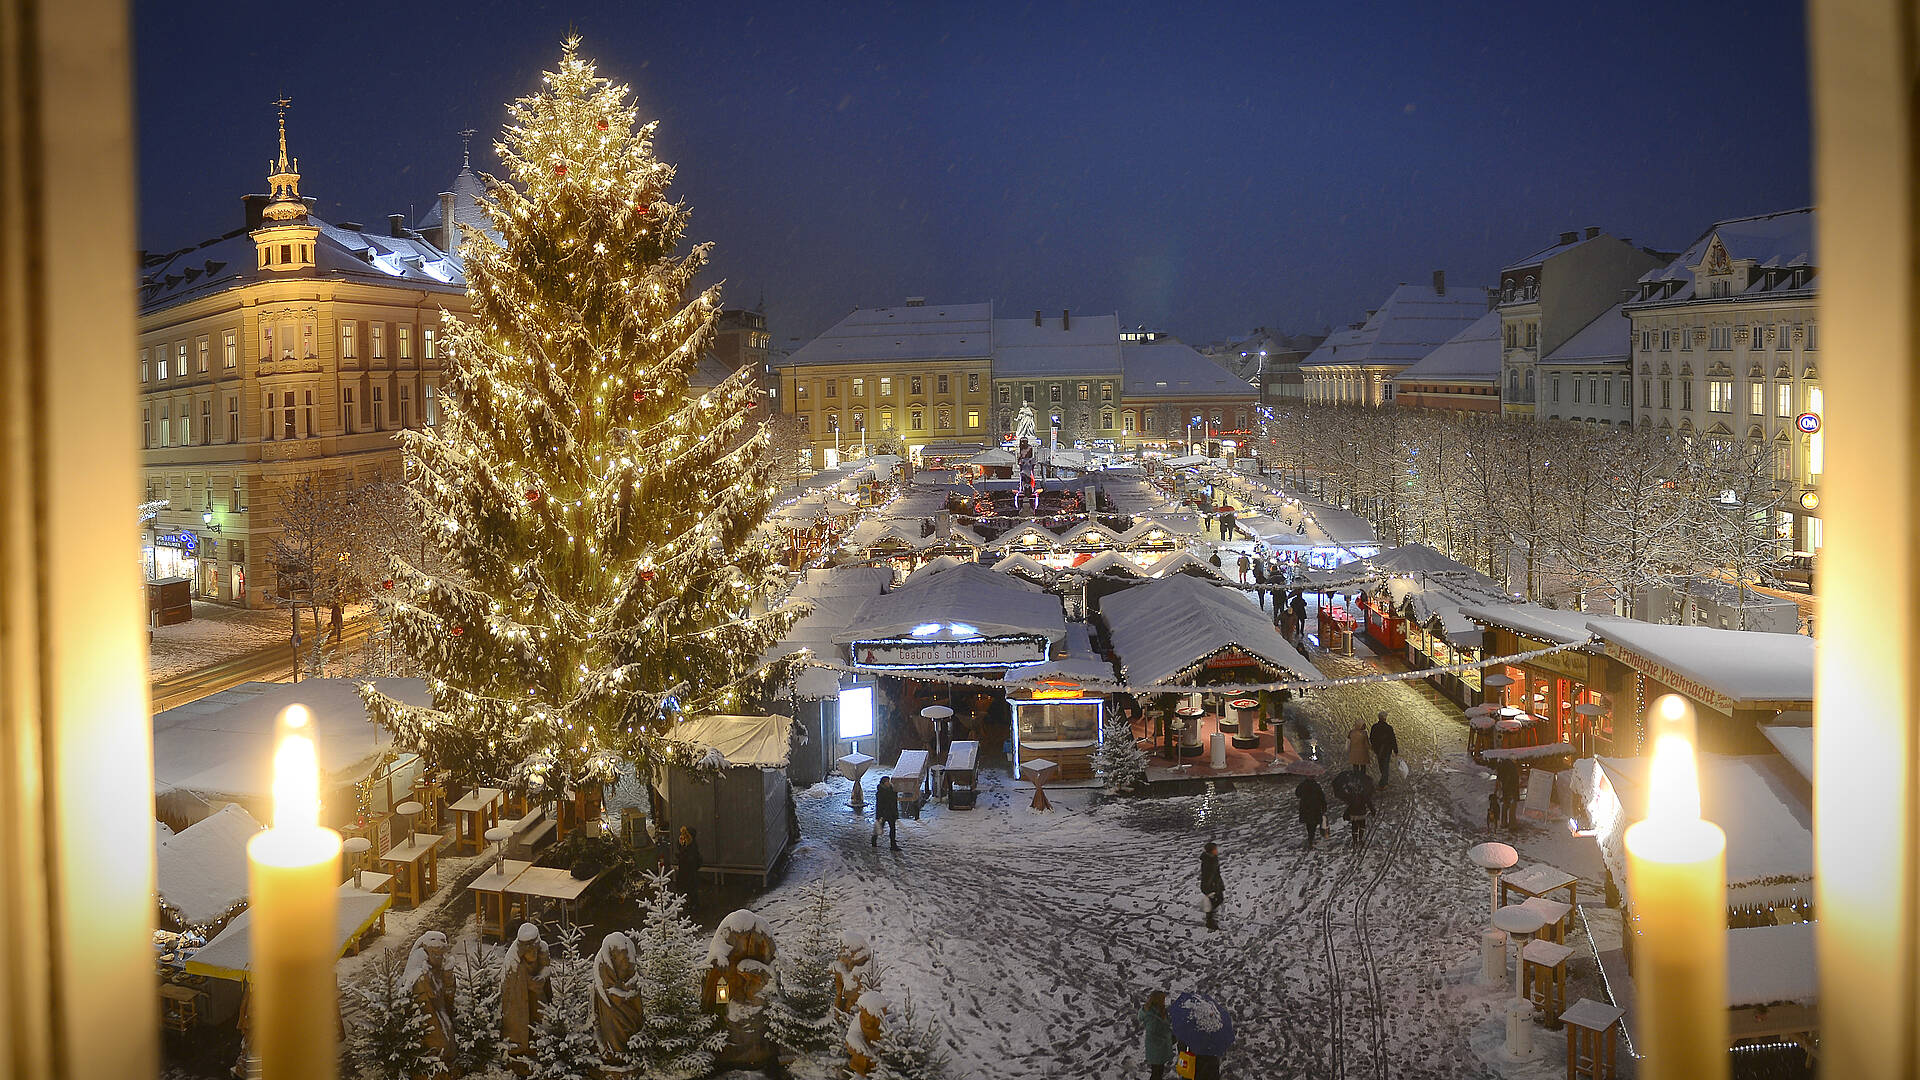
{"x": 1040, "y": 771}
{"x": 552, "y": 883}
{"x": 417, "y": 864}
{"x": 853, "y": 767}
{"x": 1539, "y": 880}
{"x": 910, "y": 778}
{"x": 1543, "y": 966}
{"x": 493, "y": 908}
{"x": 473, "y": 814}
{"x": 1555, "y": 915}
{"x": 1590, "y": 1038}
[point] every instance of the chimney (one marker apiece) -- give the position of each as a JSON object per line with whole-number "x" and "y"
{"x": 1439, "y": 283}
{"x": 1036, "y": 317}
{"x": 396, "y": 225}
{"x": 916, "y": 301}
{"x": 1569, "y": 237}
{"x": 1066, "y": 319}
{"x": 1593, "y": 231}
{"x": 449, "y": 236}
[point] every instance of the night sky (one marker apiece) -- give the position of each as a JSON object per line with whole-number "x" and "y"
{"x": 1202, "y": 168}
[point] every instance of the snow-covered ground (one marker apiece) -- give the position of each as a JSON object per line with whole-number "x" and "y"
{"x": 216, "y": 632}
{"x": 1033, "y": 937}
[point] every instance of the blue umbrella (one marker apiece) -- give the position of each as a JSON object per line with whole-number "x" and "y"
{"x": 1200, "y": 1024}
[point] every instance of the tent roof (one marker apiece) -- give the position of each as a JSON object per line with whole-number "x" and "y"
{"x": 1742, "y": 665}
{"x": 1173, "y": 566}
{"x": 742, "y": 740}
{"x": 837, "y": 595}
{"x": 222, "y": 745}
{"x": 202, "y": 869}
{"x": 1162, "y": 627}
{"x": 230, "y": 955}
{"x": 1761, "y": 802}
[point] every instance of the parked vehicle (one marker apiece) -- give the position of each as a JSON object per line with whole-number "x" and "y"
{"x": 1797, "y": 569}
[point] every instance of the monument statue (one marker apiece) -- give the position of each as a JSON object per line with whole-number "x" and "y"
{"x": 426, "y": 978}
{"x": 1023, "y": 427}
{"x": 523, "y": 988}
{"x": 616, "y": 993}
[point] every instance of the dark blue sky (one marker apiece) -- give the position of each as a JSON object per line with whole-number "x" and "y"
{"x": 1205, "y": 168}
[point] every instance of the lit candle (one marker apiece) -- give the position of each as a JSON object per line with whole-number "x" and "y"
{"x": 1677, "y": 871}
{"x": 293, "y": 872}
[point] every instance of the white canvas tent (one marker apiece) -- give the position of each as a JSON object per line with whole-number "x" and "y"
{"x": 1163, "y": 627}
{"x": 201, "y": 871}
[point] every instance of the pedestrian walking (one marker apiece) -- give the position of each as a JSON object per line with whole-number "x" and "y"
{"x": 1509, "y": 775}
{"x": 886, "y": 811}
{"x": 1214, "y": 558}
{"x": 1357, "y": 809}
{"x": 686, "y": 868}
{"x": 1385, "y": 744}
{"x": 1260, "y": 582}
{"x": 1359, "y": 750}
{"x": 1246, "y": 565}
{"x": 1312, "y": 802}
{"x": 1212, "y": 886}
{"x": 1299, "y": 609}
{"x": 1157, "y": 1039}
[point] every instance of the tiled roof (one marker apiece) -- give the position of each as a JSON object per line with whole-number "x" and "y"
{"x": 229, "y": 262}
{"x": 1472, "y": 354}
{"x": 1413, "y": 322}
{"x": 1784, "y": 241}
{"x": 467, "y": 193}
{"x": 918, "y": 332}
{"x": 1170, "y": 369}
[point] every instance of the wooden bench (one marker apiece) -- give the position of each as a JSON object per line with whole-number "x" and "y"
{"x": 531, "y": 833}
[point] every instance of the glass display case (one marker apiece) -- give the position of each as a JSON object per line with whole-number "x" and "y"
{"x": 1060, "y": 729}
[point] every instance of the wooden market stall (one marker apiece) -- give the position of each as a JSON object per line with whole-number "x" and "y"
{"x": 737, "y": 803}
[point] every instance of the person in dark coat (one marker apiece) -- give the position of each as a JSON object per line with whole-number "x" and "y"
{"x": 1313, "y": 806}
{"x": 686, "y": 867}
{"x": 1214, "y": 558}
{"x": 1508, "y": 773}
{"x": 1299, "y": 609}
{"x": 1357, "y": 810}
{"x": 1385, "y": 744}
{"x": 886, "y": 812}
{"x": 1212, "y": 885}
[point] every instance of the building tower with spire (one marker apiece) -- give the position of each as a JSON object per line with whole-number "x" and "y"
{"x": 285, "y": 239}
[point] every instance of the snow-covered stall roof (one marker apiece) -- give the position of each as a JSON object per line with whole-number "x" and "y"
{"x": 1081, "y": 664}
{"x": 1745, "y": 668}
{"x": 933, "y": 566}
{"x": 1111, "y": 562}
{"x": 1771, "y": 965}
{"x": 1795, "y": 743}
{"x": 742, "y": 740}
{"x": 869, "y": 534}
{"x": 1761, "y": 802}
{"x": 201, "y": 871}
{"x": 1163, "y": 627}
{"x": 1532, "y": 620}
{"x": 836, "y": 594}
{"x": 222, "y": 745}
{"x": 1186, "y": 564}
{"x": 1046, "y": 539}
{"x": 1409, "y": 559}
{"x": 1017, "y": 563}
{"x": 995, "y": 456}
{"x": 997, "y": 605}
{"x": 230, "y": 955}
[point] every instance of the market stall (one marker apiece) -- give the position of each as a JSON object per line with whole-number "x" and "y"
{"x": 737, "y": 805}
{"x": 1736, "y": 680}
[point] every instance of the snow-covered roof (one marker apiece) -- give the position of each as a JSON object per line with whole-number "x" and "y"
{"x": 1743, "y": 667}
{"x": 1533, "y": 620}
{"x": 997, "y": 605}
{"x": 912, "y": 332}
{"x": 742, "y": 740}
{"x": 1414, "y": 559}
{"x": 1545, "y": 253}
{"x": 1168, "y": 369}
{"x": 1608, "y": 338}
{"x": 230, "y": 955}
{"x": 1017, "y": 563}
{"x": 1795, "y": 743}
{"x": 1772, "y": 965}
{"x": 467, "y": 192}
{"x": 1163, "y": 627}
{"x": 836, "y": 594}
{"x": 995, "y": 456}
{"x": 338, "y": 253}
{"x": 1080, "y": 664}
{"x": 1414, "y": 321}
{"x": 1760, "y": 801}
{"x": 1186, "y": 564}
{"x": 1786, "y": 240}
{"x": 931, "y": 567}
{"x": 1112, "y": 562}
{"x": 1473, "y": 354}
{"x": 1088, "y": 345}
{"x": 201, "y": 871}
{"x": 222, "y": 745}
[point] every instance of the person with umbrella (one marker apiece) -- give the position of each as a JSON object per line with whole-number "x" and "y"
{"x": 1355, "y": 788}
{"x": 1204, "y": 1029}
{"x": 1212, "y": 885}
{"x": 1313, "y": 807}
{"x": 1357, "y": 810}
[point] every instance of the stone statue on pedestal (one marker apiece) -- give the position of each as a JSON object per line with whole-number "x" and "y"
{"x": 863, "y": 1031}
{"x": 616, "y": 993}
{"x": 739, "y": 969}
{"x": 427, "y": 979}
{"x": 850, "y": 971}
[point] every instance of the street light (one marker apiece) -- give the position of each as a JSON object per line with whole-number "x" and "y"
{"x": 206, "y": 519}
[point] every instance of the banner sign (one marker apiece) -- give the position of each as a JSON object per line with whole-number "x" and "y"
{"x": 987, "y": 652}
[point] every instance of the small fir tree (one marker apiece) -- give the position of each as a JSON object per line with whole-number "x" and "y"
{"x": 908, "y": 1049}
{"x": 800, "y": 1016}
{"x": 678, "y": 1039}
{"x": 476, "y": 1009}
{"x": 563, "y": 1046}
{"x": 599, "y": 521}
{"x": 387, "y": 1029}
{"x": 1119, "y": 759}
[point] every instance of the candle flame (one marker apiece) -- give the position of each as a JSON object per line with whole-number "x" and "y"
{"x": 296, "y": 771}
{"x": 1673, "y": 782}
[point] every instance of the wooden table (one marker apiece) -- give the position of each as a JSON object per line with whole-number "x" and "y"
{"x": 1555, "y": 913}
{"x": 371, "y": 881}
{"x": 418, "y": 868}
{"x": 551, "y": 883}
{"x": 476, "y": 812}
{"x": 1539, "y": 880}
{"x": 1039, "y": 771}
{"x": 348, "y": 888}
{"x": 853, "y": 767}
{"x": 493, "y": 907}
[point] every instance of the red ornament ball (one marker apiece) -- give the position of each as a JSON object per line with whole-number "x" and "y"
{"x": 457, "y": 631}
{"x": 533, "y": 495}
{"x": 559, "y": 170}
{"x": 646, "y": 575}
{"x": 387, "y": 584}
{"x": 602, "y": 125}
{"x": 639, "y": 396}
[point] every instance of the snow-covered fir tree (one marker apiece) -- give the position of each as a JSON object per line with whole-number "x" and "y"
{"x": 800, "y": 1018}
{"x": 908, "y": 1049}
{"x": 563, "y": 1047}
{"x": 476, "y": 1008}
{"x": 678, "y": 1039}
{"x": 1121, "y": 763}
{"x": 597, "y": 521}
{"x": 386, "y": 1027}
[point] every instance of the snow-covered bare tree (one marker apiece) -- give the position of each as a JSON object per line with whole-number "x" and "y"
{"x": 1735, "y": 502}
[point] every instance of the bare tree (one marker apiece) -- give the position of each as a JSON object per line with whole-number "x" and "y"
{"x": 1735, "y": 498}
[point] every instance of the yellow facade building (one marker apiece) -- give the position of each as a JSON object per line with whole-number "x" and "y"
{"x": 292, "y": 346}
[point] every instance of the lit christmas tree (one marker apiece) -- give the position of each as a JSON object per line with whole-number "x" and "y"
{"x": 598, "y": 527}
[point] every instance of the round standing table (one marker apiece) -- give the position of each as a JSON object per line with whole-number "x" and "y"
{"x": 1520, "y": 923}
